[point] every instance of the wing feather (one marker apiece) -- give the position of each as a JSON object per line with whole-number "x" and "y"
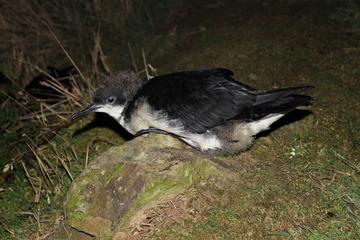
{"x": 199, "y": 99}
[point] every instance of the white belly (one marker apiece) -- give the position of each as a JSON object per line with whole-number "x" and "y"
{"x": 204, "y": 142}
{"x": 144, "y": 118}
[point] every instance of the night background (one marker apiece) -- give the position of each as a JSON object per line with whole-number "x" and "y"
{"x": 300, "y": 181}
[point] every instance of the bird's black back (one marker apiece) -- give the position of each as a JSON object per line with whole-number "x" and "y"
{"x": 199, "y": 99}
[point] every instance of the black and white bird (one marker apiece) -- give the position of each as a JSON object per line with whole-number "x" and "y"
{"x": 206, "y": 109}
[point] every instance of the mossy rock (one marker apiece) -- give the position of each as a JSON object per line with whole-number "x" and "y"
{"x": 110, "y": 197}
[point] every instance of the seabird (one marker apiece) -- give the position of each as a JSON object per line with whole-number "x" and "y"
{"x": 207, "y": 109}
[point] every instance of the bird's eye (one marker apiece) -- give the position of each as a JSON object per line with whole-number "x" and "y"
{"x": 110, "y": 100}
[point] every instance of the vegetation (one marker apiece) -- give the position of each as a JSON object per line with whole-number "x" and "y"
{"x": 300, "y": 181}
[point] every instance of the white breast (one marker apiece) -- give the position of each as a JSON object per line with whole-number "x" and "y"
{"x": 144, "y": 117}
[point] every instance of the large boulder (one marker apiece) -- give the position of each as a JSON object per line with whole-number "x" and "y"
{"x": 111, "y": 196}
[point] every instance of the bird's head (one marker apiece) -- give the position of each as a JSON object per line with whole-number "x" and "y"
{"x": 113, "y": 95}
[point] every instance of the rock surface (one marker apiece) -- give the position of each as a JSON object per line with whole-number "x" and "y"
{"x": 110, "y": 197}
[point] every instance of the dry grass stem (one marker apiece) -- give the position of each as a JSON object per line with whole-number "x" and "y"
{"x": 148, "y": 76}
{"x": 29, "y": 177}
{"x": 35, "y": 216}
{"x": 67, "y": 54}
{"x": 87, "y": 155}
{"x": 133, "y": 58}
{"x": 97, "y": 54}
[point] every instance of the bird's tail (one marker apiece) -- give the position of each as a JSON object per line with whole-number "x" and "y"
{"x": 281, "y": 100}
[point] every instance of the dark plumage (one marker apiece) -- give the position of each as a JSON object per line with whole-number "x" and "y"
{"x": 205, "y": 99}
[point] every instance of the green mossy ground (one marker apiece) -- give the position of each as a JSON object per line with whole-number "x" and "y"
{"x": 305, "y": 183}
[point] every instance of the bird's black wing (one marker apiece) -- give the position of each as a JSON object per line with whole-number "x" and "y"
{"x": 199, "y": 99}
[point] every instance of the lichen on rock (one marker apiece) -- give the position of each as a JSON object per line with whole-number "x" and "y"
{"x": 111, "y": 196}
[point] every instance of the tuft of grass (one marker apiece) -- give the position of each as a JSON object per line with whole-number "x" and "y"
{"x": 41, "y": 152}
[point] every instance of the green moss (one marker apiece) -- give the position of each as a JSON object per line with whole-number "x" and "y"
{"x": 17, "y": 196}
{"x": 116, "y": 172}
{"x": 76, "y": 211}
{"x": 160, "y": 188}
{"x": 74, "y": 214}
{"x": 109, "y": 204}
{"x": 156, "y": 189}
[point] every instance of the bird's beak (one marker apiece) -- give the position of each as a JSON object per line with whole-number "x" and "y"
{"x": 90, "y": 108}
